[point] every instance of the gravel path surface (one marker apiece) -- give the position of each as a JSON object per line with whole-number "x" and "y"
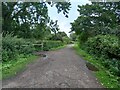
{"x": 60, "y": 69}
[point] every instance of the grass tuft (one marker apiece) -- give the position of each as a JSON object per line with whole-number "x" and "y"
{"x": 12, "y": 67}
{"x": 57, "y": 48}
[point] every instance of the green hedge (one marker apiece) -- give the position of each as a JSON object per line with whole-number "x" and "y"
{"x": 13, "y": 46}
{"x": 105, "y": 45}
{"x": 48, "y": 45}
{"x": 107, "y": 48}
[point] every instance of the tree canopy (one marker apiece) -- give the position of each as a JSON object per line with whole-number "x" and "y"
{"x": 21, "y": 18}
{"x": 97, "y": 18}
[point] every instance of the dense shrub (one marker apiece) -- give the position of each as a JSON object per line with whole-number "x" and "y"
{"x": 105, "y": 45}
{"x": 47, "y": 45}
{"x": 13, "y": 46}
{"x": 107, "y": 48}
{"x": 51, "y": 44}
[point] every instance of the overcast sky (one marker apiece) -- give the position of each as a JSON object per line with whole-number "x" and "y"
{"x": 63, "y": 22}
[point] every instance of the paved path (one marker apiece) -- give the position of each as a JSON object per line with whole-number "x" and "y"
{"x": 60, "y": 69}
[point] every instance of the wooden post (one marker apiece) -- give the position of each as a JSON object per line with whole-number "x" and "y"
{"x": 42, "y": 44}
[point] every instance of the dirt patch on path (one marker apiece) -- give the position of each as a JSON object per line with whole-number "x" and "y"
{"x": 61, "y": 69}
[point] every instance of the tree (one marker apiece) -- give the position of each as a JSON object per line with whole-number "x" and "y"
{"x": 54, "y": 27}
{"x": 73, "y": 36}
{"x": 59, "y": 36}
{"x": 94, "y": 19}
{"x": 19, "y": 17}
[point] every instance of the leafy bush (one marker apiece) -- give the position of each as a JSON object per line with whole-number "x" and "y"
{"x": 8, "y": 48}
{"x": 47, "y": 45}
{"x": 105, "y": 45}
{"x": 52, "y": 44}
{"x": 13, "y": 46}
{"x": 107, "y": 48}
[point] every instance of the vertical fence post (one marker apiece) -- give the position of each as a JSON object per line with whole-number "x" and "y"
{"x": 42, "y": 44}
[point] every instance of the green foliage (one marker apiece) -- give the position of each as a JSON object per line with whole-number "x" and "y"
{"x": 104, "y": 45}
{"x": 99, "y": 35}
{"x": 107, "y": 48}
{"x": 60, "y": 36}
{"x": 107, "y": 79}
{"x": 97, "y": 18}
{"x": 66, "y": 40}
{"x": 51, "y": 44}
{"x": 73, "y": 36}
{"x": 47, "y": 45}
{"x": 22, "y": 17}
{"x": 12, "y": 67}
{"x": 13, "y": 46}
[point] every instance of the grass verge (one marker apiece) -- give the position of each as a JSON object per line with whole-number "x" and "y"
{"x": 107, "y": 80}
{"x": 12, "y": 67}
{"x": 57, "y": 48}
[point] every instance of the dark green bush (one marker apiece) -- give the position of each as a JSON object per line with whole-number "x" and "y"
{"x": 107, "y": 48}
{"x": 105, "y": 45}
{"x": 47, "y": 45}
{"x": 52, "y": 44}
{"x": 8, "y": 48}
{"x": 13, "y": 46}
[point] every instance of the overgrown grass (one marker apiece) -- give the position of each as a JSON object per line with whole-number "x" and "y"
{"x": 12, "y": 67}
{"x": 57, "y": 48}
{"x": 48, "y": 45}
{"x": 103, "y": 75}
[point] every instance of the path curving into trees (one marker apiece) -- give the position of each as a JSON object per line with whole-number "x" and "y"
{"x": 60, "y": 69}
